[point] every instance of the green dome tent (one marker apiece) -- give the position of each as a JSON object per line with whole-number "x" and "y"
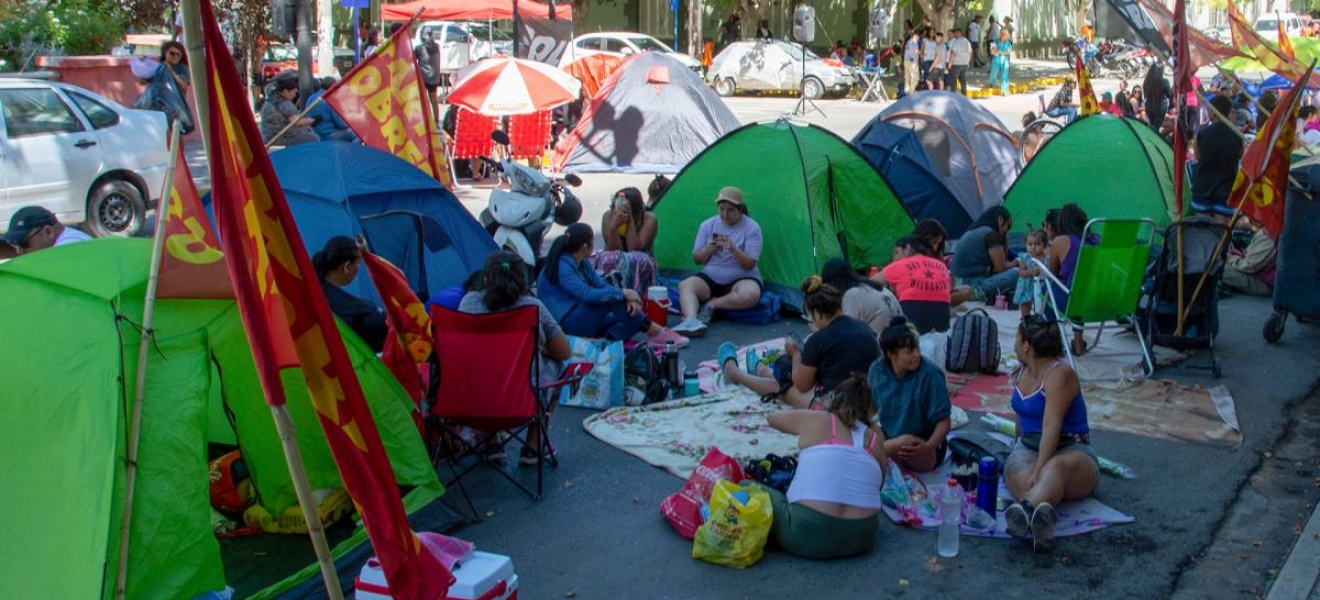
{"x": 813, "y": 195}
{"x": 71, "y": 314}
{"x": 1113, "y": 168}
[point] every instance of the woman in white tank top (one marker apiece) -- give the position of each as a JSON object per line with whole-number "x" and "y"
{"x": 832, "y": 509}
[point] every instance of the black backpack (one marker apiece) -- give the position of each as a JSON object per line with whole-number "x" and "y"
{"x": 974, "y": 344}
{"x": 642, "y": 371}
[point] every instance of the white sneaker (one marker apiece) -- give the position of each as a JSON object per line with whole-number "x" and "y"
{"x": 690, "y": 328}
{"x": 706, "y": 312}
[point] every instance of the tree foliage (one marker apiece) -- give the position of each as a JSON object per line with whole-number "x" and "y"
{"x": 29, "y": 28}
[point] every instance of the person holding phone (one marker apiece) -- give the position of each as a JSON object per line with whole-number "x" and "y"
{"x": 728, "y": 248}
{"x": 629, "y": 232}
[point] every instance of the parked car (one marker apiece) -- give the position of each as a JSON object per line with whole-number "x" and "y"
{"x": 1268, "y": 24}
{"x": 463, "y": 42}
{"x": 282, "y": 57}
{"x": 622, "y": 44}
{"x": 776, "y": 65}
{"x": 80, "y": 155}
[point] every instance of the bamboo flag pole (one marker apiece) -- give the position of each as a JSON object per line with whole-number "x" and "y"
{"x": 284, "y": 425}
{"x": 294, "y": 121}
{"x": 144, "y": 347}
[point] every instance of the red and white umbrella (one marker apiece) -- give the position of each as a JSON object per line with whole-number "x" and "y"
{"x": 512, "y": 86}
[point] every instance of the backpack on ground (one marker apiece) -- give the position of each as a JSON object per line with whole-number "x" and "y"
{"x": 974, "y": 344}
{"x": 643, "y": 379}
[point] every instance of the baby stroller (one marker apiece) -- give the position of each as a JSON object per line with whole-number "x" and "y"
{"x": 1158, "y": 309}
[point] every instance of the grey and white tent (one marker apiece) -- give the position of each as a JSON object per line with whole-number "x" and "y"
{"x": 653, "y": 115}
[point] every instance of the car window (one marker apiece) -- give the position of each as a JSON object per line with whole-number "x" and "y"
{"x": 613, "y": 45}
{"x": 588, "y": 44}
{"x": 647, "y": 44}
{"x": 35, "y": 111}
{"x": 98, "y": 114}
{"x": 795, "y": 51}
{"x": 1267, "y": 25}
{"x": 455, "y": 34}
{"x": 280, "y": 53}
{"x": 483, "y": 31}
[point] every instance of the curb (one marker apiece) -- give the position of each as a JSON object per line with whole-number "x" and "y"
{"x": 1298, "y": 576}
{"x": 1025, "y": 87}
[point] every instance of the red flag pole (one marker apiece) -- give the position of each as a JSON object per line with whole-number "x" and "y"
{"x": 1182, "y": 83}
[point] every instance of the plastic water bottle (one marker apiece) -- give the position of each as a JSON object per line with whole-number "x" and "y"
{"x": 950, "y": 512}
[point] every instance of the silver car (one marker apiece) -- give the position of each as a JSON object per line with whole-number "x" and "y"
{"x": 776, "y": 65}
{"x": 80, "y": 155}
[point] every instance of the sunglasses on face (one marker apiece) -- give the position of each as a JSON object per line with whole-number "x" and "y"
{"x": 173, "y": 53}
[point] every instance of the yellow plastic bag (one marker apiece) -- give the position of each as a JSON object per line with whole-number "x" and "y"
{"x": 735, "y": 533}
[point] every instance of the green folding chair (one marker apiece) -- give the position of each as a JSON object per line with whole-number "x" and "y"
{"x": 1107, "y": 281}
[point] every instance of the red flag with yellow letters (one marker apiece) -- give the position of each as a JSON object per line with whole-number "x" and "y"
{"x": 1262, "y": 181}
{"x": 289, "y": 323}
{"x": 1085, "y": 93}
{"x": 385, "y": 102}
{"x": 409, "y": 346}
{"x": 191, "y": 263}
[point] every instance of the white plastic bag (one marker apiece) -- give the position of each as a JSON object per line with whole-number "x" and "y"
{"x": 143, "y": 67}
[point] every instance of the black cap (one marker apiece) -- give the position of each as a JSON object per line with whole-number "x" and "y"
{"x": 25, "y": 221}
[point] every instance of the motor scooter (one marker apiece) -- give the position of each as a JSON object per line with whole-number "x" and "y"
{"x": 519, "y": 217}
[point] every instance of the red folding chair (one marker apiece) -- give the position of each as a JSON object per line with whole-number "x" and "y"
{"x": 472, "y": 134}
{"x": 529, "y": 134}
{"x": 488, "y": 374}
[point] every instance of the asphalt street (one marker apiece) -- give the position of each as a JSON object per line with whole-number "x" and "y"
{"x": 1210, "y": 522}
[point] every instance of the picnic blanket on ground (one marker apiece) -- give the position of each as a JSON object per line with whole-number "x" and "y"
{"x": 1154, "y": 408}
{"x": 675, "y": 435}
{"x": 911, "y": 499}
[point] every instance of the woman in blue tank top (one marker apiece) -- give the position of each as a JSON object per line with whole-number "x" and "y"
{"x": 1053, "y": 460}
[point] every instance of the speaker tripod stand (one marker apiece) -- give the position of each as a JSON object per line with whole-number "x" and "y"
{"x": 804, "y": 104}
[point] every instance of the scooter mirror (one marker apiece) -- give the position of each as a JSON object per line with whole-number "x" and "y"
{"x": 500, "y": 137}
{"x": 573, "y": 179}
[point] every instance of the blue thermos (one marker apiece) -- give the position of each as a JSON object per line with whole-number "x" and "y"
{"x": 987, "y": 485}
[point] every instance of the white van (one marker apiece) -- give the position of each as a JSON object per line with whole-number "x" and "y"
{"x": 1268, "y": 25}
{"x": 463, "y": 42}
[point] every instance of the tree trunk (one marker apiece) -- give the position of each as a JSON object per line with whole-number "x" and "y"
{"x": 695, "y": 10}
{"x": 1080, "y": 8}
{"x": 939, "y": 11}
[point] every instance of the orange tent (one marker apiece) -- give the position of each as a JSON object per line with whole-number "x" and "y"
{"x": 593, "y": 70}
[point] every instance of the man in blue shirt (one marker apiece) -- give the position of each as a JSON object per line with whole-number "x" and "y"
{"x": 329, "y": 126}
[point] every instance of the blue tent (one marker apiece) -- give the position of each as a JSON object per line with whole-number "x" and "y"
{"x": 338, "y": 188}
{"x": 898, "y": 154}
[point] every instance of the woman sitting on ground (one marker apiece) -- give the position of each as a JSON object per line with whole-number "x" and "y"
{"x": 728, "y": 248}
{"x": 1053, "y": 460}
{"x": 502, "y": 285}
{"x": 912, "y": 397}
{"x": 863, "y": 299}
{"x": 981, "y": 258}
{"x": 921, "y": 283}
{"x": 840, "y": 347}
{"x": 586, "y": 306}
{"x": 629, "y": 231}
{"x": 337, "y": 265}
{"x": 934, "y": 234}
{"x": 832, "y": 509}
{"x": 1065, "y": 246}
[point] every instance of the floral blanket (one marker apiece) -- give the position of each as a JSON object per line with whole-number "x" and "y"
{"x": 675, "y": 435}
{"x": 911, "y": 499}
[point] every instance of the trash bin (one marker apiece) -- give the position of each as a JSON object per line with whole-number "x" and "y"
{"x": 1297, "y": 278}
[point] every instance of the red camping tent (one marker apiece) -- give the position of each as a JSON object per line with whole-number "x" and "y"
{"x": 471, "y": 10}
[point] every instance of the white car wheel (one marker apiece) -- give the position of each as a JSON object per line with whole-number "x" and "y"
{"x": 116, "y": 208}
{"x": 812, "y": 88}
{"x": 724, "y": 86}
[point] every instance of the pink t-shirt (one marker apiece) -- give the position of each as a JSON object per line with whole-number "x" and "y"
{"x": 919, "y": 278}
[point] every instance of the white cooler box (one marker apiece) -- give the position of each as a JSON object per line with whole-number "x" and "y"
{"x": 482, "y": 576}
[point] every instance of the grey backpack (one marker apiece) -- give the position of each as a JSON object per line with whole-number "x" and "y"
{"x": 974, "y": 344}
